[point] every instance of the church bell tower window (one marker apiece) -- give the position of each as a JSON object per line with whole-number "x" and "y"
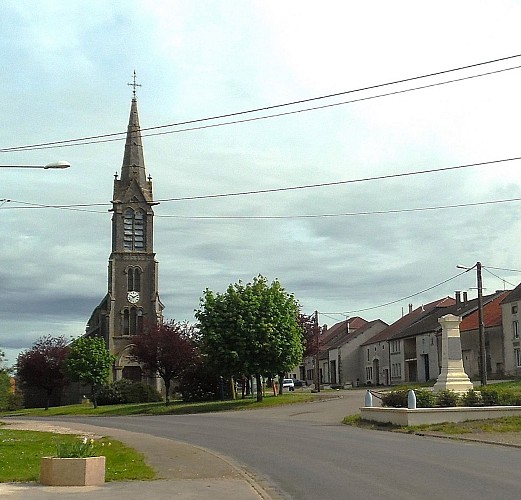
{"x": 134, "y": 279}
{"x": 132, "y": 321}
{"x": 134, "y": 230}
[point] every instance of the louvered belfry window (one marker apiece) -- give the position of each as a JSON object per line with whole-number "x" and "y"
{"x": 134, "y": 230}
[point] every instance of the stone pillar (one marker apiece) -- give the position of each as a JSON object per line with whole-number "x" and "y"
{"x": 452, "y": 376}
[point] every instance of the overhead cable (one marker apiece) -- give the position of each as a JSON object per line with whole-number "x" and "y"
{"x": 115, "y": 135}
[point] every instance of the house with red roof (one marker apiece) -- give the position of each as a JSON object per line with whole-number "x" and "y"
{"x": 409, "y": 350}
{"x": 495, "y": 336}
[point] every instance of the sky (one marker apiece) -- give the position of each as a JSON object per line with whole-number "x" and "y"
{"x": 367, "y": 248}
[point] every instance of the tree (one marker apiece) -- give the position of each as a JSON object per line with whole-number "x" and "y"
{"x": 168, "y": 349}
{"x": 89, "y": 363}
{"x": 251, "y": 329}
{"x": 43, "y": 365}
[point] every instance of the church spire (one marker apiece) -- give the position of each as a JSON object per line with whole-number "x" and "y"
{"x": 133, "y": 160}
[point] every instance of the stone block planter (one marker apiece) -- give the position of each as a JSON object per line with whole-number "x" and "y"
{"x": 72, "y": 471}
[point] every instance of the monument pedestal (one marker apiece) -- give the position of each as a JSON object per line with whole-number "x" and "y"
{"x": 452, "y": 376}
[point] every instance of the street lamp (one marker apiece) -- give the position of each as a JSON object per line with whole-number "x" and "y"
{"x": 53, "y": 165}
{"x": 482, "y": 348}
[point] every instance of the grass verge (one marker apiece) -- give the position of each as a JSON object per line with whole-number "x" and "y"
{"x": 21, "y": 451}
{"x": 496, "y": 425}
{"x": 175, "y": 408}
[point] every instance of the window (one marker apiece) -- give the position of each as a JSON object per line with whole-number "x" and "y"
{"x": 369, "y": 373}
{"x": 133, "y": 230}
{"x": 132, "y": 321}
{"x": 134, "y": 279}
{"x": 368, "y": 354}
{"x": 515, "y": 329}
{"x": 395, "y": 346}
{"x": 517, "y": 354}
{"x": 514, "y": 308}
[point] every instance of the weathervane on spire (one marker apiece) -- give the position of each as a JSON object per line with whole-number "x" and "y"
{"x": 134, "y": 84}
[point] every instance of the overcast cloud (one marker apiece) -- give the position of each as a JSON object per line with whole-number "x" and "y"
{"x": 66, "y": 66}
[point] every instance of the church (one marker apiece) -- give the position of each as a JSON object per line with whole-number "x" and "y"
{"x": 132, "y": 299}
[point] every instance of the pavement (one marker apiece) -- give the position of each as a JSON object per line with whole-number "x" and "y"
{"x": 184, "y": 471}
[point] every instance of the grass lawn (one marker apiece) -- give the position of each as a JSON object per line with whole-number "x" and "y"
{"x": 21, "y": 451}
{"x": 176, "y": 407}
{"x": 505, "y": 424}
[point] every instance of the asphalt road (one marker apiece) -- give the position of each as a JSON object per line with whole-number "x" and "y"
{"x": 303, "y": 452}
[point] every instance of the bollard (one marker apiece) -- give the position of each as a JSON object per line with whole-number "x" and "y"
{"x": 411, "y": 400}
{"x": 368, "y": 399}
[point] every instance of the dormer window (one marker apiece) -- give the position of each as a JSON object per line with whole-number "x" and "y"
{"x": 134, "y": 230}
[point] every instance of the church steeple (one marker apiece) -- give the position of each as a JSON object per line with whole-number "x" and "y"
{"x": 133, "y": 159}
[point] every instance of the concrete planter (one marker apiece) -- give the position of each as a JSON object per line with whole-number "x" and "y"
{"x": 72, "y": 471}
{"x": 420, "y": 416}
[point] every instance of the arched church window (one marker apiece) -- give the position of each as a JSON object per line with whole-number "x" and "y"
{"x": 134, "y": 229}
{"x": 132, "y": 321}
{"x": 134, "y": 279}
{"x": 126, "y": 322}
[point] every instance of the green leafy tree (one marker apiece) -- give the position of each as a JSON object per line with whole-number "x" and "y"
{"x": 251, "y": 329}
{"x": 43, "y": 365}
{"x": 168, "y": 349}
{"x": 89, "y": 363}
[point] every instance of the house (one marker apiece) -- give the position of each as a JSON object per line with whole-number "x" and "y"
{"x": 495, "y": 337}
{"x": 510, "y": 310}
{"x": 343, "y": 353}
{"x": 390, "y": 357}
{"x": 410, "y": 348}
{"x": 327, "y": 335}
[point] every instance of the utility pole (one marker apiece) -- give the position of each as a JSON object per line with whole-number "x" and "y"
{"x": 482, "y": 348}
{"x": 317, "y": 341}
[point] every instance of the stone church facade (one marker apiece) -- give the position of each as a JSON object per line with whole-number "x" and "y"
{"x": 132, "y": 299}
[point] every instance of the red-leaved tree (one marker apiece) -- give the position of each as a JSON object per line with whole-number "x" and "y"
{"x": 167, "y": 349}
{"x": 43, "y": 365}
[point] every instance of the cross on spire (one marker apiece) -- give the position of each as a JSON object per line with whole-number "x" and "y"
{"x": 134, "y": 85}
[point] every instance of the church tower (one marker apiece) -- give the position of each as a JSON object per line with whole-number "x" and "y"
{"x": 132, "y": 300}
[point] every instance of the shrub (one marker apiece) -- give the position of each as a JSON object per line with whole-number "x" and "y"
{"x": 494, "y": 396}
{"x": 125, "y": 391}
{"x": 395, "y": 399}
{"x": 200, "y": 383}
{"x": 472, "y": 398}
{"x": 447, "y": 398}
{"x": 425, "y": 398}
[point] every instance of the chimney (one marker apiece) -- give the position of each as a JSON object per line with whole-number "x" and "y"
{"x": 465, "y": 297}
{"x": 410, "y": 308}
{"x": 458, "y": 297}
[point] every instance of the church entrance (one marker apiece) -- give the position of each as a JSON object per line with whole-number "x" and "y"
{"x": 132, "y": 373}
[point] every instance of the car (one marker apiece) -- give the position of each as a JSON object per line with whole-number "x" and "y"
{"x": 288, "y": 383}
{"x": 299, "y": 383}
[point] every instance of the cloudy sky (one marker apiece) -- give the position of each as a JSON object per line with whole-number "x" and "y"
{"x": 65, "y": 71}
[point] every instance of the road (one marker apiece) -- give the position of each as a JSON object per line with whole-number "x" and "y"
{"x": 303, "y": 452}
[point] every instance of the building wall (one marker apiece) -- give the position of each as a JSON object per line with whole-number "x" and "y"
{"x": 511, "y": 313}
{"x": 427, "y": 365}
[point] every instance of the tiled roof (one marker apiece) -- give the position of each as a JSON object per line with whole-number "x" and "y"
{"x": 491, "y": 314}
{"x": 340, "y": 331}
{"x": 513, "y": 296}
{"x": 340, "y": 340}
{"x": 406, "y": 321}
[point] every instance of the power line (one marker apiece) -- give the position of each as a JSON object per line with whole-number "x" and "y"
{"x": 502, "y": 269}
{"x": 84, "y": 206}
{"x": 498, "y": 277}
{"x": 403, "y": 298}
{"x": 114, "y": 135}
{"x": 350, "y": 214}
{"x": 337, "y": 183}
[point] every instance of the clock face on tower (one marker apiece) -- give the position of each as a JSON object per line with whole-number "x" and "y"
{"x": 133, "y": 297}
